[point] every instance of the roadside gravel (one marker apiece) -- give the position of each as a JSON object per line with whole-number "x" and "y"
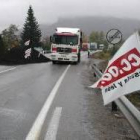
{"x": 101, "y": 123}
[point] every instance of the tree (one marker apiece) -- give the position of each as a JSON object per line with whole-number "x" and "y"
{"x": 31, "y": 30}
{"x": 2, "y": 47}
{"x": 85, "y": 38}
{"x": 99, "y": 38}
{"x": 10, "y": 37}
{"x": 46, "y": 44}
{"x": 94, "y": 37}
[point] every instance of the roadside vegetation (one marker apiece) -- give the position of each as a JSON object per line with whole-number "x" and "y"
{"x": 107, "y": 53}
{"x": 99, "y": 38}
{"x": 135, "y": 98}
{"x": 12, "y": 41}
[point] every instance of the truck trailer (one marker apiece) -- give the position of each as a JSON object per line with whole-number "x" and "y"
{"x": 66, "y": 44}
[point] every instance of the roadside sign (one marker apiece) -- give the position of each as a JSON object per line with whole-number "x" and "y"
{"x": 114, "y": 36}
{"x": 122, "y": 75}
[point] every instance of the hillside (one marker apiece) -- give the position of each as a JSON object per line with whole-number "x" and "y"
{"x": 89, "y": 24}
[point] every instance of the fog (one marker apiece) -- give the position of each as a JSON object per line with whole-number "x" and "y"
{"x": 49, "y": 11}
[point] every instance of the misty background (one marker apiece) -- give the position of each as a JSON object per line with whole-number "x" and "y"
{"x": 89, "y": 15}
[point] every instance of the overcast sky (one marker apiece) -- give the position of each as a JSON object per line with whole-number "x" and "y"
{"x": 48, "y": 11}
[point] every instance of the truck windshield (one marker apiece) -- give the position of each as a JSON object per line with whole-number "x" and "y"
{"x": 68, "y": 40}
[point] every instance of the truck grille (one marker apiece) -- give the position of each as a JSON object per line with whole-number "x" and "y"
{"x": 64, "y": 50}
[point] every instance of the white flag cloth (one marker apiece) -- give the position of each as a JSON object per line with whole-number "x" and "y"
{"x": 27, "y": 43}
{"x": 122, "y": 75}
{"x": 28, "y": 53}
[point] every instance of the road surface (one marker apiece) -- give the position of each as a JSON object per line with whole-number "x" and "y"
{"x": 24, "y": 90}
{"x": 44, "y": 101}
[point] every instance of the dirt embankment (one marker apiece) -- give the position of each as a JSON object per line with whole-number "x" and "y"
{"x": 102, "y": 123}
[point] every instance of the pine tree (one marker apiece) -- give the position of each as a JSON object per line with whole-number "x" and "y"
{"x": 31, "y": 30}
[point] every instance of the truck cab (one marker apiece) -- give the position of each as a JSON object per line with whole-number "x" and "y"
{"x": 66, "y": 45}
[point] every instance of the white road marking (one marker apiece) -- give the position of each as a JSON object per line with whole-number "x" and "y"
{"x": 7, "y": 70}
{"x": 53, "y": 126}
{"x": 37, "y": 126}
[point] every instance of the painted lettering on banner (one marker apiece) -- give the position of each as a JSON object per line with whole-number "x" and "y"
{"x": 126, "y": 64}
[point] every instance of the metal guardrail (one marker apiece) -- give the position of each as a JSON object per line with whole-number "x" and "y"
{"x": 131, "y": 113}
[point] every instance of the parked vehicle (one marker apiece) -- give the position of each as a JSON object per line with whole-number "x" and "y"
{"x": 66, "y": 44}
{"x": 93, "y": 46}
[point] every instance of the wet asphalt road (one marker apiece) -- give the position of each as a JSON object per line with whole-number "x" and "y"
{"x": 24, "y": 90}
{"x": 75, "y": 112}
{"x": 22, "y": 94}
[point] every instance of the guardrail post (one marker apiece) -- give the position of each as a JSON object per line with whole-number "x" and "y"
{"x": 114, "y": 107}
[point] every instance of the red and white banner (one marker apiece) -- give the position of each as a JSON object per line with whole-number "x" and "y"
{"x": 122, "y": 75}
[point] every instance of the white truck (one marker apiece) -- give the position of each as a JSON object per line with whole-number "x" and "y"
{"x": 66, "y": 44}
